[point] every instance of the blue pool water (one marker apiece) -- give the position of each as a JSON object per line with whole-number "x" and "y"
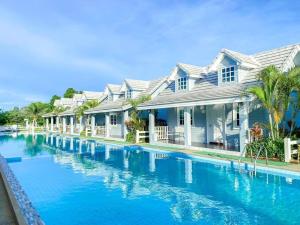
{"x": 78, "y": 182}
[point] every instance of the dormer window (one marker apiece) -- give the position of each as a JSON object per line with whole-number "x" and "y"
{"x": 228, "y": 74}
{"x": 182, "y": 83}
{"x": 129, "y": 93}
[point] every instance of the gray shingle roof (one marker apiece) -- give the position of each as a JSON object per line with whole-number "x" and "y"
{"x": 92, "y": 95}
{"x": 137, "y": 84}
{"x": 114, "y": 88}
{"x": 192, "y": 69}
{"x": 122, "y": 104}
{"x": 206, "y": 88}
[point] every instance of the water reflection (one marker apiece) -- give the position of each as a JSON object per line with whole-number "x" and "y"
{"x": 194, "y": 191}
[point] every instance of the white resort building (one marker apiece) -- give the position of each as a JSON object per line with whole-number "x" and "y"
{"x": 195, "y": 106}
{"x": 66, "y": 122}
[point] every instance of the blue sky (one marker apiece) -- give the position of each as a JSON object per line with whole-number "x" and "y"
{"x": 47, "y": 46}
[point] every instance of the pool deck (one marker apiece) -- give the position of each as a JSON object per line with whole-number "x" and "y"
{"x": 7, "y": 215}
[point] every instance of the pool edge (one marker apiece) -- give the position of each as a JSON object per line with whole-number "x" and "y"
{"x": 24, "y": 211}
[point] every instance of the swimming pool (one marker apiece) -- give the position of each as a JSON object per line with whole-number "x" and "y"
{"x": 72, "y": 181}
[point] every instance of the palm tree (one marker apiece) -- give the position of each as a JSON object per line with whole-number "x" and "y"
{"x": 34, "y": 112}
{"x": 266, "y": 92}
{"x": 275, "y": 94}
{"x": 79, "y": 111}
{"x": 136, "y": 123}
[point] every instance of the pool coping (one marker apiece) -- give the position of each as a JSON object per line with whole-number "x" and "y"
{"x": 24, "y": 211}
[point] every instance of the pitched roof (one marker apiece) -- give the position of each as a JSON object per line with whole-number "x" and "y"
{"x": 114, "y": 88}
{"x": 92, "y": 95}
{"x": 68, "y": 112}
{"x": 122, "y": 104}
{"x": 240, "y": 57}
{"x": 137, "y": 84}
{"x": 206, "y": 88}
{"x": 77, "y": 96}
{"x": 192, "y": 69}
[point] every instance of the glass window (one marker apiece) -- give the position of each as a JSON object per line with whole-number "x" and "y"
{"x": 192, "y": 118}
{"x": 129, "y": 93}
{"x": 228, "y": 74}
{"x": 236, "y": 115}
{"x": 181, "y": 117}
{"x": 113, "y": 119}
{"x": 182, "y": 83}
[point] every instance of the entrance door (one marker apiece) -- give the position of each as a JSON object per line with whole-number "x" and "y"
{"x": 215, "y": 123}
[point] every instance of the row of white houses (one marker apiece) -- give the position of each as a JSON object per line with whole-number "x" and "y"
{"x": 193, "y": 106}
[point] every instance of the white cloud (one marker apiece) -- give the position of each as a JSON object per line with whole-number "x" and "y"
{"x": 37, "y": 47}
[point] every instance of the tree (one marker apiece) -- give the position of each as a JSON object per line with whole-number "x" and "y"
{"x": 69, "y": 93}
{"x": 16, "y": 115}
{"x": 34, "y": 112}
{"x": 52, "y": 100}
{"x": 3, "y": 117}
{"x": 275, "y": 94}
{"x": 266, "y": 92}
{"x": 79, "y": 111}
{"x": 135, "y": 123}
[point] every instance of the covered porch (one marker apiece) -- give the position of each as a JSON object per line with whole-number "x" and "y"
{"x": 215, "y": 125}
{"x": 107, "y": 124}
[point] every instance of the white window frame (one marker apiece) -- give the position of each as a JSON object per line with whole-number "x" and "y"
{"x": 228, "y": 70}
{"x": 129, "y": 93}
{"x": 180, "y": 81}
{"x": 115, "y": 120}
{"x": 192, "y": 116}
{"x": 236, "y": 122}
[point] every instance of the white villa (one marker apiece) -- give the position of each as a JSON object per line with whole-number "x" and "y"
{"x": 194, "y": 106}
{"x": 66, "y": 122}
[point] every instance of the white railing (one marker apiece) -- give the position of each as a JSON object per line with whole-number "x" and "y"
{"x": 162, "y": 132}
{"x": 141, "y": 135}
{"x": 68, "y": 129}
{"x": 100, "y": 130}
{"x": 76, "y": 129}
{"x": 88, "y": 129}
{"x": 289, "y": 149}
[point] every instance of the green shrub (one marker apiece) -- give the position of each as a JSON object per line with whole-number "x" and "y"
{"x": 275, "y": 148}
{"x": 130, "y": 137}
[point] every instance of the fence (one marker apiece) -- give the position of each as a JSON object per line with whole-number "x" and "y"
{"x": 162, "y": 132}
{"x": 100, "y": 130}
{"x": 290, "y": 147}
{"x": 141, "y": 135}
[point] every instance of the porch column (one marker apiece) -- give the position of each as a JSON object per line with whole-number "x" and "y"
{"x": 51, "y": 126}
{"x": 64, "y": 125}
{"x": 125, "y": 118}
{"x": 151, "y": 126}
{"x": 107, "y": 125}
{"x": 93, "y": 124}
{"x": 80, "y": 124}
{"x": 72, "y": 125}
{"x": 244, "y": 124}
{"x": 57, "y": 122}
{"x": 187, "y": 127}
{"x": 47, "y": 124}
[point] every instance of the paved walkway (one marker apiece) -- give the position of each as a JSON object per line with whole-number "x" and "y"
{"x": 7, "y": 216}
